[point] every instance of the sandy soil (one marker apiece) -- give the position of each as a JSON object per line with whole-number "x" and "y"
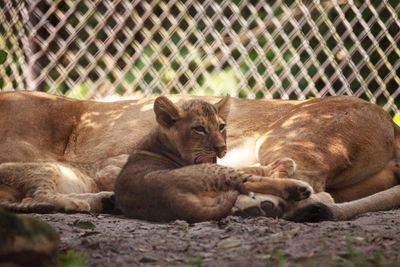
{"x": 233, "y": 241}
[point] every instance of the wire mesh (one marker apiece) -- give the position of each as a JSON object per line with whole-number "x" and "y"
{"x": 288, "y": 49}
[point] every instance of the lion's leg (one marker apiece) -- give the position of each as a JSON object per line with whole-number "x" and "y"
{"x": 196, "y": 192}
{"x": 385, "y": 179}
{"x": 280, "y": 168}
{"x": 269, "y": 205}
{"x": 42, "y": 183}
{"x": 9, "y": 193}
{"x": 288, "y": 189}
{"x": 99, "y": 202}
{"x": 272, "y": 181}
{"x": 383, "y": 191}
{"x": 320, "y": 211}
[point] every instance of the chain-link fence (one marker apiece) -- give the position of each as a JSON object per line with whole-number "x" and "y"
{"x": 288, "y": 49}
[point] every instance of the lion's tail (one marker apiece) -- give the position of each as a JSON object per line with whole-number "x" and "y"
{"x": 196, "y": 209}
{"x": 39, "y": 207}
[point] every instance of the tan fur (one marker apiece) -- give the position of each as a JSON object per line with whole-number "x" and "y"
{"x": 164, "y": 180}
{"x": 343, "y": 147}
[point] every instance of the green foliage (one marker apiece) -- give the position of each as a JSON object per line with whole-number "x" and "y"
{"x": 79, "y": 91}
{"x": 351, "y": 258}
{"x": 354, "y": 258}
{"x": 358, "y": 259}
{"x": 3, "y": 56}
{"x": 276, "y": 258}
{"x": 224, "y": 82}
{"x": 194, "y": 261}
{"x": 73, "y": 258}
{"x": 84, "y": 224}
{"x": 396, "y": 119}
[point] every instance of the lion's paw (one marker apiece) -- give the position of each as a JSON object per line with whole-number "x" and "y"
{"x": 313, "y": 212}
{"x": 108, "y": 203}
{"x": 297, "y": 190}
{"x": 281, "y": 168}
{"x": 253, "y": 205}
{"x": 71, "y": 205}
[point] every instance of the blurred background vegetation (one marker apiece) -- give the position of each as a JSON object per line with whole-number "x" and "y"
{"x": 287, "y": 49}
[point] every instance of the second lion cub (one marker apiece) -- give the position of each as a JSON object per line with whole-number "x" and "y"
{"x": 171, "y": 173}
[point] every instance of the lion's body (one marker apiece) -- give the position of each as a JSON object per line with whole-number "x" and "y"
{"x": 341, "y": 145}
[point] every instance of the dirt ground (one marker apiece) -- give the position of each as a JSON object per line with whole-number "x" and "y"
{"x": 111, "y": 240}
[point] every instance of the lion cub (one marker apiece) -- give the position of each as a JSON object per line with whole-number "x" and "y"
{"x": 171, "y": 173}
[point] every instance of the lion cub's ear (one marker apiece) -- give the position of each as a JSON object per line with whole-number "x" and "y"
{"x": 167, "y": 113}
{"x": 224, "y": 106}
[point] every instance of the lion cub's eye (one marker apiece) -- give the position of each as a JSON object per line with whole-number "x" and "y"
{"x": 222, "y": 127}
{"x": 199, "y": 129}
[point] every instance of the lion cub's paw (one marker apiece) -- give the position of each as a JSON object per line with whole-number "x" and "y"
{"x": 253, "y": 205}
{"x": 75, "y": 205}
{"x": 282, "y": 168}
{"x": 298, "y": 191}
{"x": 101, "y": 202}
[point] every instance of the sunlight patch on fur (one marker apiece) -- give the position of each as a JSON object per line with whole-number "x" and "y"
{"x": 71, "y": 182}
{"x": 239, "y": 157}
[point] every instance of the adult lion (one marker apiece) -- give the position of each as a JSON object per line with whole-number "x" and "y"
{"x": 58, "y": 152}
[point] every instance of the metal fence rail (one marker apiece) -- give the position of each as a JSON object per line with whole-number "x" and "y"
{"x": 288, "y": 49}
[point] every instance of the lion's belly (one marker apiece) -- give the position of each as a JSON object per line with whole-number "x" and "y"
{"x": 241, "y": 154}
{"x": 73, "y": 181}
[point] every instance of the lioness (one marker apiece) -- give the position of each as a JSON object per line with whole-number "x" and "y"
{"x": 60, "y": 153}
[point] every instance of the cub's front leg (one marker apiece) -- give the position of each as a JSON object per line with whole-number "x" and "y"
{"x": 257, "y": 204}
{"x": 217, "y": 177}
{"x": 280, "y": 168}
{"x": 195, "y": 192}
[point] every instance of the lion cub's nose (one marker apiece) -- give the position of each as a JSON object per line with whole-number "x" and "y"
{"x": 220, "y": 150}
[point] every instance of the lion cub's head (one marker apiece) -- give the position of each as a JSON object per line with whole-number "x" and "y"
{"x": 196, "y": 129}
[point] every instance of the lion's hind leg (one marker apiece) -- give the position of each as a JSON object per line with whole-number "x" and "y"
{"x": 321, "y": 211}
{"x": 10, "y": 199}
{"x": 280, "y": 168}
{"x": 385, "y": 179}
{"x": 43, "y": 185}
{"x": 376, "y": 193}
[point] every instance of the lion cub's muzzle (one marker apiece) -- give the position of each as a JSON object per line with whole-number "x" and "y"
{"x": 220, "y": 152}
{"x": 205, "y": 159}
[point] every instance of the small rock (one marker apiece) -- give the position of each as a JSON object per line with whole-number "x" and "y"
{"x": 229, "y": 243}
{"x": 27, "y": 241}
{"x": 148, "y": 259}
